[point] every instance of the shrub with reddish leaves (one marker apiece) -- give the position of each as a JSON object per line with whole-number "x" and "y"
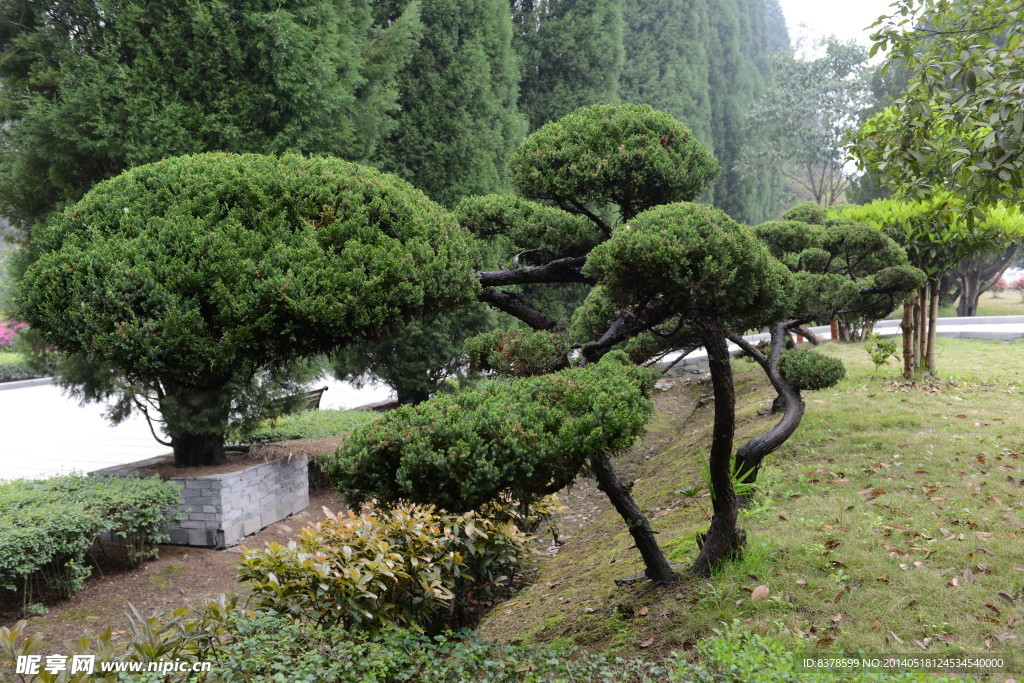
{"x": 8, "y": 330}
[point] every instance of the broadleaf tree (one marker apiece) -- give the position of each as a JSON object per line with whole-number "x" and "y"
{"x": 800, "y": 124}
{"x": 960, "y": 124}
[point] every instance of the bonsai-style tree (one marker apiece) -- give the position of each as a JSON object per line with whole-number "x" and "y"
{"x": 671, "y": 274}
{"x": 189, "y": 281}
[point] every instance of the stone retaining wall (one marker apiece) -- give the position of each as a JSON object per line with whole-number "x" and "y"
{"x": 222, "y": 509}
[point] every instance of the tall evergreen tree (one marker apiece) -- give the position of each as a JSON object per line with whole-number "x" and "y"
{"x": 459, "y": 121}
{"x": 705, "y": 61}
{"x": 571, "y": 55}
{"x": 743, "y": 35}
{"x": 667, "y": 60}
{"x": 88, "y": 89}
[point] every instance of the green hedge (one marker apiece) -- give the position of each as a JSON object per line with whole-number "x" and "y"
{"x": 255, "y": 647}
{"x": 48, "y": 525}
{"x": 13, "y": 367}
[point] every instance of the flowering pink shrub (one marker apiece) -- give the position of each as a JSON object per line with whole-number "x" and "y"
{"x": 1000, "y": 287}
{"x": 8, "y": 328}
{"x": 1019, "y": 286}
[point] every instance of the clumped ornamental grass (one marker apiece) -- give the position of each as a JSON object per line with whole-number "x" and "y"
{"x": 889, "y": 523}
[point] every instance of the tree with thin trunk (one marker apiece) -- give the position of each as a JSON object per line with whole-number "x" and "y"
{"x": 937, "y": 235}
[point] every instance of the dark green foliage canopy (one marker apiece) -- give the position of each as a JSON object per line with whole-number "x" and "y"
{"x": 523, "y": 439}
{"x": 743, "y": 34}
{"x": 521, "y": 224}
{"x": 698, "y": 261}
{"x": 807, "y": 212}
{"x": 667, "y": 45}
{"x": 92, "y": 88}
{"x": 704, "y": 62}
{"x": 459, "y": 122}
{"x": 518, "y": 352}
{"x": 628, "y": 155}
{"x": 810, "y": 370}
{"x": 417, "y": 359}
{"x": 570, "y": 52}
{"x": 193, "y": 274}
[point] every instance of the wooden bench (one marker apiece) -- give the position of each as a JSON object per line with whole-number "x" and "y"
{"x": 296, "y": 403}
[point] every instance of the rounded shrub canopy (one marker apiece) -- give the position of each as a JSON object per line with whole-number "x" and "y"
{"x": 524, "y": 439}
{"x": 199, "y": 267}
{"x": 697, "y": 259}
{"x": 626, "y": 154}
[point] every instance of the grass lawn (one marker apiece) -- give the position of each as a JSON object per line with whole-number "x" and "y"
{"x": 1007, "y": 303}
{"x": 890, "y": 523}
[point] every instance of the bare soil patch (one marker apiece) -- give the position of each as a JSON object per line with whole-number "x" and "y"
{"x": 235, "y": 461}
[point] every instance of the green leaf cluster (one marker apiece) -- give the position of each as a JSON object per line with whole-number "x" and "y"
{"x": 407, "y": 566}
{"x": 810, "y": 370}
{"x": 937, "y": 232}
{"x": 192, "y": 275}
{"x": 519, "y": 224}
{"x": 518, "y": 352}
{"x": 93, "y": 89}
{"x": 521, "y": 439}
{"x": 48, "y": 525}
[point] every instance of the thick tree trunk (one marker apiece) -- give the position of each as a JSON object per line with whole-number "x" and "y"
{"x": 909, "y": 317}
{"x": 722, "y": 540}
{"x": 196, "y": 420}
{"x": 977, "y": 274}
{"x": 657, "y": 567}
{"x": 969, "y": 293}
{"x": 198, "y": 450}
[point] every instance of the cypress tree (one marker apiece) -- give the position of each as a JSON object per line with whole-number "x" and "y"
{"x": 667, "y": 60}
{"x": 743, "y": 35}
{"x": 90, "y": 89}
{"x": 571, "y": 55}
{"x": 458, "y": 122}
{"x": 704, "y": 62}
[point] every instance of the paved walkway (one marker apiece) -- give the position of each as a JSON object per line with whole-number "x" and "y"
{"x": 42, "y": 432}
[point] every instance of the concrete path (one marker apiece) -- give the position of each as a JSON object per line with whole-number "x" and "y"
{"x": 42, "y": 432}
{"x": 1001, "y": 328}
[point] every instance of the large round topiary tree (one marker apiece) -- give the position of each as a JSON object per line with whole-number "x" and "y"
{"x": 188, "y": 280}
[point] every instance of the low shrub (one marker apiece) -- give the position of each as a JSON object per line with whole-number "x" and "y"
{"x": 410, "y": 566}
{"x": 1019, "y": 286}
{"x": 244, "y": 646}
{"x": 810, "y": 370}
{"x": 48, "y": 525}
{"x": 247, "y": 647}
{"x": 13, "y": 367}
{"x": 311, "y": 424}
{"x": 518, "y": 440}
